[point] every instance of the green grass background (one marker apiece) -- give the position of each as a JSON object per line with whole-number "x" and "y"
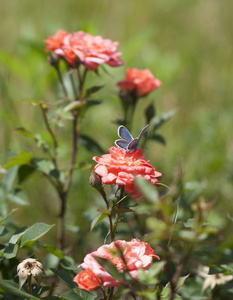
{"x": 187, "y": 44}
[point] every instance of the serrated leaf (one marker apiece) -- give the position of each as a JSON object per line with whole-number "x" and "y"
{"x": 23, "y": 158}
{"x": 12, "y": 288}
{"x": 11, "y": 251}
{"x": 50, "y": 249}
{"x": 35, "y": 232}
{"x": 149, "y": 190}
{"x": 17, "y": 235}
{"x": 90, "y": 144}
{"x": 65, "y": 276}
{"x": 97, "y": 220}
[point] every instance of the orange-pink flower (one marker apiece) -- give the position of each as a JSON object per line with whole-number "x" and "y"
{"x": 121, "y": 167}
{"x": 136, "y": 255}
{"x": 57, "y": 41}
{"x": 140, "y": 82}
{"x": 91, "y": 50}
{"x": 87, "y": 280}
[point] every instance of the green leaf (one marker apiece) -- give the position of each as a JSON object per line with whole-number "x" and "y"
{"x": 121, "y": 210}
{"x": 6, "y": 216}
{"x": 90, "y": 144}
{"x": 9, "y": 178}
{"x": 43, "y": 165}
{"x": 11, "y": 251}
{"x": 65, "y": 276}
{"x": 93, "y": 102}
{"x": 149, "y": 190}
{"x": 24, "y": 132}
{"x": 59, "y": 175}
{"x": 162, "y": 119}
{"x": 24, "y": 172}
{"x": 3, "y": 230}
{"x": 17, "y": 235}
{"x": 109, "y": 267}
{"x": 97, "y": 220}
{"x": 75, "y": 105}
{"x": 72, "y": 296}
{"x": 93, "y": 90}
{"x": 50, "y": 249}
{"x": 18, "y": 196}
{"x": 10, "y": 287}
{"x": 159, "y": 138}
{"x": 165, "y": 295}
{"x": 35, "y": 232}
{"x": 23, "y": 158}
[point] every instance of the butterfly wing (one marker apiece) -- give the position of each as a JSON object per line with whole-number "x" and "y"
{"x": 124, "y": 133}
{"x": 122, "y": 144}
{"x": 133, "y": 145}
{"x": 135, "y": 142}
{"x": 142, "y": 131}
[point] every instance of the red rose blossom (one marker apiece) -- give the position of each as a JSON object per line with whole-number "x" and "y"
{"x": 87, "y": 280}
{"x": 120, "y": 167}
{"x": 91, "y": 50}
{"x": 136, "y": 254}
{"x": 141, "y": 81}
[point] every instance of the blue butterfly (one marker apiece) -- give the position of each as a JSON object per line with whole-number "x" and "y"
{"x": 127, "y": 142}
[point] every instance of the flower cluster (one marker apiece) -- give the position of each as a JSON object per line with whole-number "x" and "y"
{"x": 139, "y": 82}
{"x": 120, "y": 167}
{"x": 90, "y": 50}
{"x": 136, "y": 254}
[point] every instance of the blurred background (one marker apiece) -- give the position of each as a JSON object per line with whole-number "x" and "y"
{"x": 188, "y": 45}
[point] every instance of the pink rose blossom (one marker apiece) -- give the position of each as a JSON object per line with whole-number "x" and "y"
{"x": 91, "y": 50}
{"x": 136, "y": 254}
{"x": 120, "y": 167}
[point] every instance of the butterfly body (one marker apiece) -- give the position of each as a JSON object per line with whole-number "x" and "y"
{"x": 127, "y": 142}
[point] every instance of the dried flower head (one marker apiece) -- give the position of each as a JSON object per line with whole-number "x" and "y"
{"x": 27, "y": 268}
